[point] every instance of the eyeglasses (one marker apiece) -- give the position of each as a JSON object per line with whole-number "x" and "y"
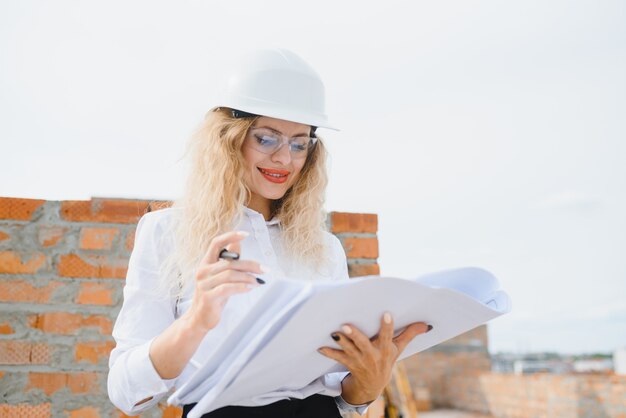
{"x": 268, "y": 141}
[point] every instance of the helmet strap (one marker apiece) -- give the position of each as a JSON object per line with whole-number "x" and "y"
{"x": 241, "y": 114}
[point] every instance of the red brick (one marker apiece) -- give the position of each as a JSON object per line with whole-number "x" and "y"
{"x": 49, "y": 383}
{"x": 104, "y": 210}
{"x": 95, "y": 294}
{"x": 68, "y": 323}
{"x": 33, "y": 320}
{"x": 130, "y": 239}
{"x": 23, "y": 352}
{"x": 84, "y": 412}
{"x": 358, "y": 270}
{"x": 86, "y": 382}
{"x": 361, "y": 247}
{"x": 26, "y": 411}
{"x": 168, "y": 411}
{"x": 5, "y": 328}
{"x": 159, "y": 204}
{"x": 96, "y": 266}
{"x": 20, "y": 291}
{"x": 50, "y": 236}
{"x": 4, "y": 235}
{"x": 171, "y": 411}
{"x": 353, "y": 222}
{"x": 97, "y": 238}
{"x": 12, "y": 262}
{"x": 93, "y": 351}
{"x": 18, "y": 209}
{"x": 99, "y": 321}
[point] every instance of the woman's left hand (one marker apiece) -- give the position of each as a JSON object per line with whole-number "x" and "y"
{"x": 370, "y": 362}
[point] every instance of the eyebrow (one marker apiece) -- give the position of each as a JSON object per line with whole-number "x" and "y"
{"x": 279, "y": 132}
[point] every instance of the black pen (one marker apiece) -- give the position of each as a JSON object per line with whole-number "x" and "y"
{"x": 227, "y": 255}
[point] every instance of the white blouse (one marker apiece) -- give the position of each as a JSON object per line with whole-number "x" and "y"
{"x": 144, "y": 315}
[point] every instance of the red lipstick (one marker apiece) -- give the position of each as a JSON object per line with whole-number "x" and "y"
{"x": 274, "y": 175}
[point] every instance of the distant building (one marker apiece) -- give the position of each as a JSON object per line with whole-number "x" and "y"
{"x": 619, "y": 361}
{"x": 541, "y": 366}
{"x": 593, "y": 365}
{"x": 530, "y": 363}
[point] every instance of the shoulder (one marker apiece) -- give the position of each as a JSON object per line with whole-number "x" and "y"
{"x": 158, "y": 221}
{"x": 334, "y": 245}
{"x": 155, "y": 231}
{"x": 337, "y": 265}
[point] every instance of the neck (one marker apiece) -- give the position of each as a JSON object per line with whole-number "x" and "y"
{"x": 261, "y": 205}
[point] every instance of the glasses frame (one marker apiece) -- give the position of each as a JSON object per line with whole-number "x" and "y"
{"x": 284, "y": 140}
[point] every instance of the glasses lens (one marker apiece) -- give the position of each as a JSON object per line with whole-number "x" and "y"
{"x": 266, "y": 142}
{"x": 299, "y": 146}
{"x": 269, "y": 142}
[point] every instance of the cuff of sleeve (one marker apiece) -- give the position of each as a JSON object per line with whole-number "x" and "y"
{"x": 144, "y": 376}
{"x": 332, "y": 381}
{"x": 345, "y": 406}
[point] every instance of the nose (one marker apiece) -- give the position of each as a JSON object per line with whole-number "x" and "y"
{"x": 282, "y": 155}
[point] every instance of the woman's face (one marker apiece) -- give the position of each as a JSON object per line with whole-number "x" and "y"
{"x": 269, "y": 176}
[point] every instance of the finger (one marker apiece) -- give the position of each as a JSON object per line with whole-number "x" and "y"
{"x": 360, "y": 340}
{"x": 228, "y": 276}
{"x": 226, "y": 290}
{"x": 337, "y": 355}
{"x": 385, "y": 334}
{"x": 234, "y": 247}
{"x": 220, "y": 242}
{"x": 247, "y": 266}
{"x": 411, "y": 331}
{"x": 345, "y": 343}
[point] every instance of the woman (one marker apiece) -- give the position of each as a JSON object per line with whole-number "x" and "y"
{"x": 255, "y": 188}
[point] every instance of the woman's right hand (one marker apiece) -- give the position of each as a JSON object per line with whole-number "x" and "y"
{"x": 218, "y": 279}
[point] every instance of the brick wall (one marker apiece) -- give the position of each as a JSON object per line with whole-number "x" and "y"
{"x": 457, "y": 374}
{"x": 62, "y": 269}
{"x": 357, "y": 233}
{"x": 430, "y": 371}
{"x": 540, "y": 395}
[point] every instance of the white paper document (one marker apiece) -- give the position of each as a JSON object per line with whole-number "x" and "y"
{"x": 274, "y": 347}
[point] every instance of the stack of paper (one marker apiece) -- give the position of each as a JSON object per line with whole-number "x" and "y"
{"x": 275, "y": 345}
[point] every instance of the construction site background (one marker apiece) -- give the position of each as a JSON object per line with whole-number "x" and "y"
{"x": 62, "y": 270}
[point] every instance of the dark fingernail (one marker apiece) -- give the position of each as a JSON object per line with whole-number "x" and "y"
{"x": 429, "y": 328}
{"x": 260, "y": 281}
{"x": 335, "y": 336}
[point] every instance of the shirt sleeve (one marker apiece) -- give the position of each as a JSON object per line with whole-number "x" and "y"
{"x": 347, "y": 407}
{"x": 333, "y": 381}
{"x": 144, "y": 315}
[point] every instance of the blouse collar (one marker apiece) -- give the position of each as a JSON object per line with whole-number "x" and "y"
{"x": 250, "y": 212}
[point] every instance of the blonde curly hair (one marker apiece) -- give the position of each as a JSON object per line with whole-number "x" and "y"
{"x": 215, "y": 195}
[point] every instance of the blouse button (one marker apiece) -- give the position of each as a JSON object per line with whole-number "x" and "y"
{"x": 268, "y": 253}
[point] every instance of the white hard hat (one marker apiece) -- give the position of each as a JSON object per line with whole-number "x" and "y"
{"x": 279, "y": 84}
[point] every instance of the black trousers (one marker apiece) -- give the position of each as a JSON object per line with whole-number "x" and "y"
{"x": 316, "y": 406}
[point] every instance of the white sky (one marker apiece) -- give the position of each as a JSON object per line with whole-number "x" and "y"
{"x": 483, "y": 133}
